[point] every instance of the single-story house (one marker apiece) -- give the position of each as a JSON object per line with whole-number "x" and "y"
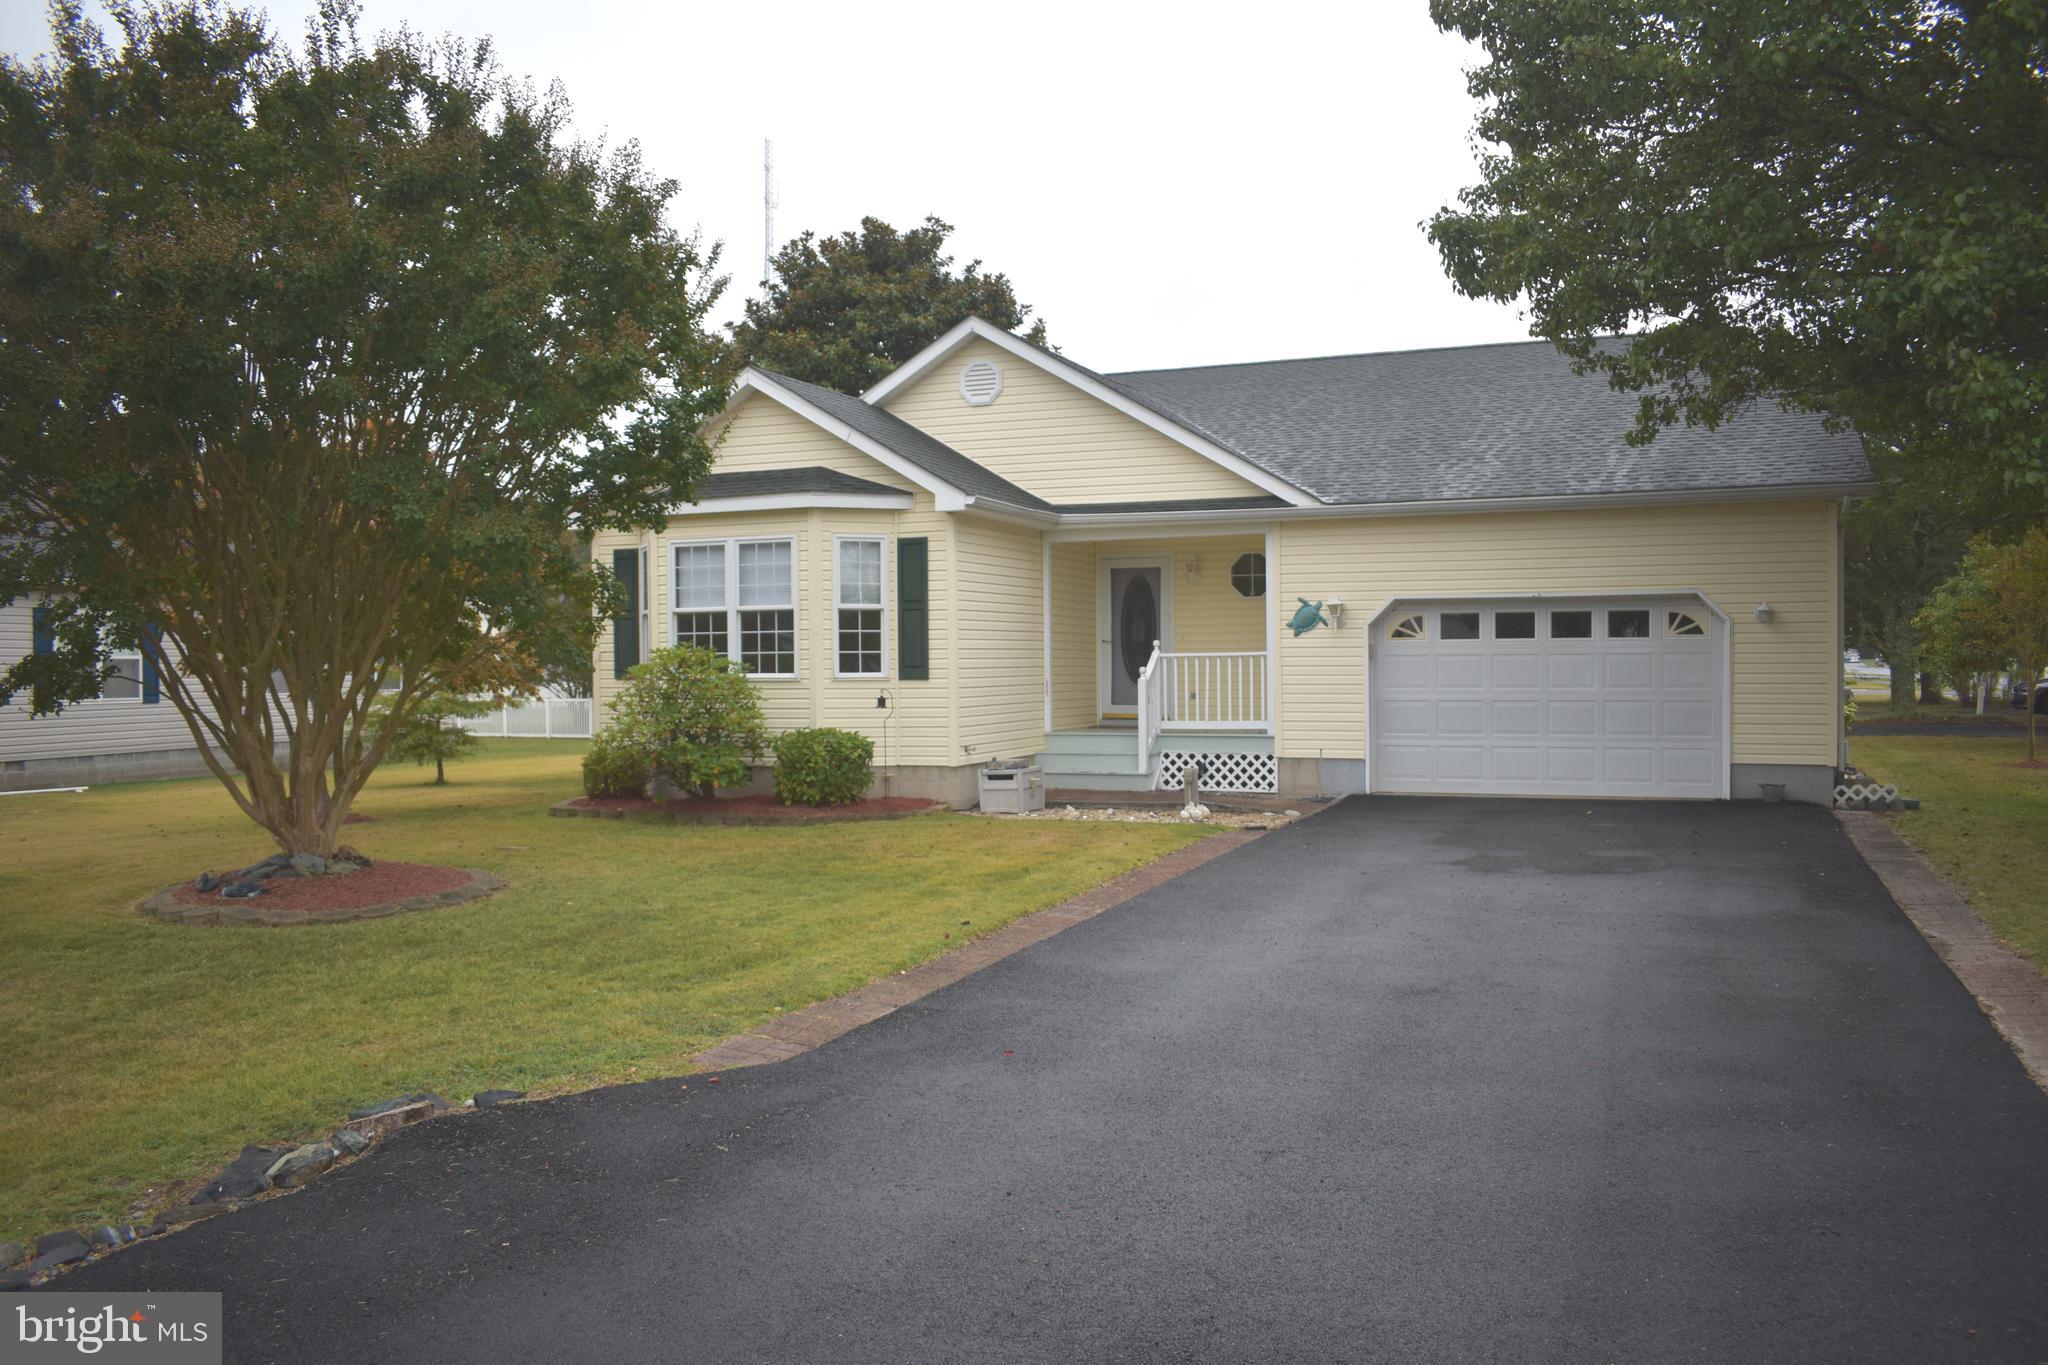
{"x": 129, "y": 731}
{"x": 997, "y": 554}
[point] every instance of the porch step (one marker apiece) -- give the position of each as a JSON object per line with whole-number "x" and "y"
{"x": 1123, "y": 780}
{"x": 1093, "y": 743}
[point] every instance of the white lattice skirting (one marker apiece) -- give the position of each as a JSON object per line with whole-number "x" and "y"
{"x": 1866, "y": 796}
{"x": 1221, "y": 772}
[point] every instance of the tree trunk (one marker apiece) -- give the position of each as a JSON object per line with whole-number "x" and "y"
{"x": 1930, "y": 690}
{"x": 440, "y": 773}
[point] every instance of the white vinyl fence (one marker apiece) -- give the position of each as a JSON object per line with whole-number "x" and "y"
{"x": 545, "y": 717}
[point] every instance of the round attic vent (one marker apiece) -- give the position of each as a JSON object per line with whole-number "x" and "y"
{"x": 980, "y": 382}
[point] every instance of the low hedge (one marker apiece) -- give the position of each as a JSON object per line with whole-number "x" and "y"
{"x": 609, "y": 770}
{"x": 823, "y": 767}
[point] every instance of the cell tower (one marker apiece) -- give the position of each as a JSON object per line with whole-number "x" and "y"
{"x": 767, "y": 211}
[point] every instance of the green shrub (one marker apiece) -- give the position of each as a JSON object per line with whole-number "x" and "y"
{"x": 610, "y": 770}
{"x": 692, "y": 717}
{"x": 823, "y": 767}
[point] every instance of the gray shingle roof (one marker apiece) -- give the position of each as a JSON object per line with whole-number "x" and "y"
{"x": 812, "y": 478}
{"x": 926, "y": 452}
{"x": 1477, "y": 422}
{"x": 1259, "y": 502}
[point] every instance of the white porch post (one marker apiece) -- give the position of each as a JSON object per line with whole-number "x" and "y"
{"x": 1272, "y": 658}
{"x": 1045, "y": 623}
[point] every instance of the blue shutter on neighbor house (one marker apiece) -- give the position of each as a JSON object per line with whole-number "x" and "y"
{"x": 45, "y": 634}
{"x": 626, "y": 626}
{"x": 152, "y": 645}
{"x": 913, "y": 609}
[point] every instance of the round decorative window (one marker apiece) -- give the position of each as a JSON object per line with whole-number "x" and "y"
{"x": 981, "y": 383}
{"x": 1248, "y": 575}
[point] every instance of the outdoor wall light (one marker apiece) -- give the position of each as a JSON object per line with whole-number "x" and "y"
{"x": 1333, "y": 607}
{"x": 1764, "y": 612}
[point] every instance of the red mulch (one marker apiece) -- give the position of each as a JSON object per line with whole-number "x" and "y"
{"x": 760, "y": 807}
{"x": 2029, "y": 763}
{"x": 374, "y": 885}
{"x": 356, "y": 817}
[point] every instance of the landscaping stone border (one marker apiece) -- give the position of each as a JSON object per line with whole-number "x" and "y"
{"x": 2008, "y": 988}
{"x": 663, "y": 815}
{"x": 166, "y": 906}
{"x": 792, "y": 1035}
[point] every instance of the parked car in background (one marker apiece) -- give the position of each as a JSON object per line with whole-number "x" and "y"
{"x": 2019, "y": 697}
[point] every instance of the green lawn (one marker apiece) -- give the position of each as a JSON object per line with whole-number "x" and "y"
{"x": 139, "y": 1053}
{"x": 1983, "y": 821}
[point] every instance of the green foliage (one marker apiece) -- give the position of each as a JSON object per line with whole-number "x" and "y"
{"x": 844, "y": 311}
{"x": 692, "y": 716}
{"x": 1961, "y": 628}
{"x": 611, "y": 769}
{"x": 1848, "y": 707}
{"x": 430, "y": 730}
{"x": 823, "y": 767}
{"x": 1846, "y": 204}
{"x": 1899, "y": 545}
{"x": 1996, "y": 607}
{"x": 320, "y": 360}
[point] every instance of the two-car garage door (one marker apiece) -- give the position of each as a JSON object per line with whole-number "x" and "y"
{"x": 1560, "y": 697}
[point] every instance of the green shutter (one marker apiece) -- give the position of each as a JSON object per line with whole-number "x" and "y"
{"x": 626, "y": 627}
{"x": 913, "y": 609}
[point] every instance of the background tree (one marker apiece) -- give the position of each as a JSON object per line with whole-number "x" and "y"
{"x": 1837, "y": 201}
{"x": 2001, "y": 608}
{"x": 432, "y": 730}
{"x": 1961, "y": 629}
{"x": 1900, "y": 544}
{"x": 844, "y": 311}
{"x": 310, "y": 365}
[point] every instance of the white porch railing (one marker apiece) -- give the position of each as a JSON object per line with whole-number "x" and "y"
{"x": 1151, "y": 707}
{"x": 543, "y": 717}
{"x": 1215, "y": 691}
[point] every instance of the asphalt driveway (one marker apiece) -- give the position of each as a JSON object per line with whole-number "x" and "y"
{"x": 1414, "y": 1080}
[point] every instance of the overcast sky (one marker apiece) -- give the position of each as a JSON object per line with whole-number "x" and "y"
{"x": 1165, "y": 185}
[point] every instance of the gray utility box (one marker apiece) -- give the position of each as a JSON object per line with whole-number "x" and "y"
{"x": 1012, "y": 791}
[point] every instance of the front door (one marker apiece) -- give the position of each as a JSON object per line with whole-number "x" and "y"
{"x": 1136, "y": 615}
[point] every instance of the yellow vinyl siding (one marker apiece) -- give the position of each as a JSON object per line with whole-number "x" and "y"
{"x": 762, "y": 434}
{"x": 1000, "y": 697}
{"x": 1049, "y": 438}
{"x": 1209, "y": 615}
{"x": 1786, "y": 674}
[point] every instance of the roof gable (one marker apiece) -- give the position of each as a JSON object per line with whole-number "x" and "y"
{"x": 1211, "y": 469}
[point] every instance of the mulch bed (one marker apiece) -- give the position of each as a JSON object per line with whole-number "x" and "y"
{"x": 378, "y": 890}
{"x": 740, "y": 810}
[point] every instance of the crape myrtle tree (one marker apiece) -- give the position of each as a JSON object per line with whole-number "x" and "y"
{"x": 1843, "y": 203}
{"x": 314, "y": 364}
{"x": 844, "y": 310}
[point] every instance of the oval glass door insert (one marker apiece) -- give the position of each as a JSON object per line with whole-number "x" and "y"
{"x": 1139, "y": 614}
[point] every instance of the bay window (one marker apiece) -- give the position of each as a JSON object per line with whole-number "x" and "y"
{"x": 738, "y": 598}
{"x": 859, "y": 599}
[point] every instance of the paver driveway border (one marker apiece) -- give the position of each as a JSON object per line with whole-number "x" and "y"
{"x": 2011, "y": 992}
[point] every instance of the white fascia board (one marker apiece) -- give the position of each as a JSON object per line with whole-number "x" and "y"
{"x": 1173, "y": 431}
{"x": 775, "y": 502}
{"x": 1094, "y": 525}
{"x": 751, "y": 380}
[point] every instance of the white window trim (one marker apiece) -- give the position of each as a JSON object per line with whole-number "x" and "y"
{"x": 731, "y": 546}
{"x": 888, "y": 615}
{"x": 115, "y": 656}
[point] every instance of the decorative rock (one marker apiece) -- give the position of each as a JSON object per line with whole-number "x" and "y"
{"x": 62, "y": 1256}
{"x": 307, "y": 864}
{"x": 185, "y": 1213}
{"x": 108, "y": 1235}
{"x": 340, "y": 868}
{"x": 16, "y": 1279}
{"x": 206, "y": 881}
{"x": 301, "y": 1166}
{"x": 269, "y": 867}
{"x": 10, "y": 1252}
{"x": 57, "y": 1241}
{"x": 246, "y": 1175}
{"x": 428, "y": 1098}
{"x": 348, "y": 1142}
{"x": 242, "y": 890}
{"x": 384, "y": 1120}
{"x": 347, "y": 854}
{"x": 484, "y": 1099}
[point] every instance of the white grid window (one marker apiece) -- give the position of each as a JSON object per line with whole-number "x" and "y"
{"x": 126, "y": 683}
{"x": 767, "y": 607}
{"x": 859, "y": 595}
{"x": 742, "y": 593}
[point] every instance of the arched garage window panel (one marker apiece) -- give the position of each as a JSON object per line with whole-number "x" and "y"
{"x": 1415, "y": 627}
{"x": 1685, "y": 623}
